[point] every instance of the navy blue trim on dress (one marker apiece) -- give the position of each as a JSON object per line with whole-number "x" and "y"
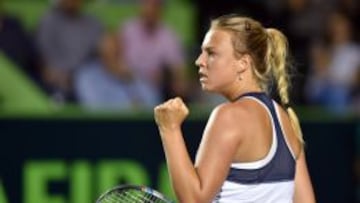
{"x": 282, "y": 165}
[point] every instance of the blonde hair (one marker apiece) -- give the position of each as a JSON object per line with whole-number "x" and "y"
{"x": 268, "y": 49}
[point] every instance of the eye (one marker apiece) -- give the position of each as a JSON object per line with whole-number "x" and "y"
{"x": 210, "y": 53}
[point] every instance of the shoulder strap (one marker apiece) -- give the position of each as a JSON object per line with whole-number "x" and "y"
{"x": 268, "y": 102}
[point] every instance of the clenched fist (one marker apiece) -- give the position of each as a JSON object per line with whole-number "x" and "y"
{"x": 171, "y": 114}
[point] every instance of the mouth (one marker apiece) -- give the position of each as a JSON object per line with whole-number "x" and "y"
{"x": 202, "y": 77}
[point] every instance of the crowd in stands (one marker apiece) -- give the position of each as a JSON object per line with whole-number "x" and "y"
{"x": 74, "y": 58}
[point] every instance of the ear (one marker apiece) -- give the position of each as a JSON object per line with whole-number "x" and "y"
{"x": 243, "y": 63}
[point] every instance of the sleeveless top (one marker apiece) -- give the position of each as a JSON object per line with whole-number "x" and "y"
{"x": 269, "y": 180}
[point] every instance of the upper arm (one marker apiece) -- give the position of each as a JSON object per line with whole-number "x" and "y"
{"x": 303, "y": 188}
{"x": 220, "y": 141}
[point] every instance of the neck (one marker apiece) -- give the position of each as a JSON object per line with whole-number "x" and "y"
{"x": 236, "y": 91}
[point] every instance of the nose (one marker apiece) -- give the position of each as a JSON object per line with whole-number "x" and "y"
{"x": 199, "y": 61}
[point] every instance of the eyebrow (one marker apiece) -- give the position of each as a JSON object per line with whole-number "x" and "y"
{"x": 207, "y": 48}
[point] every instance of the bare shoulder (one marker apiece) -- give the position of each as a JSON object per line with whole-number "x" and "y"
{"x": 229, "y": 111}
{"x": 243, "y": 108}
{"x": 233, "y": 115}
{"x": 223, "y": 132}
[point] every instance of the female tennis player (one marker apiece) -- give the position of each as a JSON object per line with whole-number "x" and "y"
{"x": 252, "y": 147}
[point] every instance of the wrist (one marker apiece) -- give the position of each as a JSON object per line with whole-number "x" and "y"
{"x": 169, "y": 130}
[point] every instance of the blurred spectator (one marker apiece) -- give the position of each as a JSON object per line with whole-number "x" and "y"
{"x": 317, "y": 80}
{"x": 17, "y": 45}
{"x": 67, "y": 39}
{"x": 305, "y": 20}
{"x": 352, "y": 9}
{"x": 335, "y": 82}
{"x": 153, "y": 52}
{"x": 108, "y": 84}
{"x": 302, "y": 21}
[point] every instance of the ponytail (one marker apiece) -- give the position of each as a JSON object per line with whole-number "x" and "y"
{"x": 276, "y": 60}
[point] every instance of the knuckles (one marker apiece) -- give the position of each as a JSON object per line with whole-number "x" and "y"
{"x": 172, "y": 105}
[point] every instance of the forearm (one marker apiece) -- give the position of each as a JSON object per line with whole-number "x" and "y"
{"x": 184, "y": 178}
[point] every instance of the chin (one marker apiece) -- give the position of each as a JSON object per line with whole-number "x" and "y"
{"x": 206, "y": 88}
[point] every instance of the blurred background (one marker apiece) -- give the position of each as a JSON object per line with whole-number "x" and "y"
{"x": 79, "y": 80}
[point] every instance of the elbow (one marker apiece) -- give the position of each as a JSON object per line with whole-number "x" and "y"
{"x": 192, "y": 198}
{"x": 193, "y": 193}
{"x": 187, "y": 198}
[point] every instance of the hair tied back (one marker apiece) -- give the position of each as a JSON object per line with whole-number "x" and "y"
{"x": 247, "y": 26}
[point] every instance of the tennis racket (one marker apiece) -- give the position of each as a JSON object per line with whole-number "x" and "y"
{"x": 132, "y": 194}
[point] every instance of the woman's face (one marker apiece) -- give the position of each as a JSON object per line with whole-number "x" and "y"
{"x": 217, "y": 63}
